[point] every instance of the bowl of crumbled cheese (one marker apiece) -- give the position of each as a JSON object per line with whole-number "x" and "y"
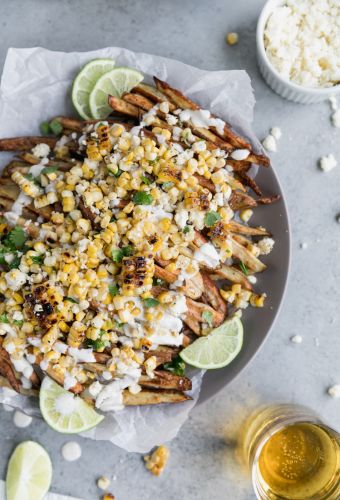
{"x": 298, "y": 48}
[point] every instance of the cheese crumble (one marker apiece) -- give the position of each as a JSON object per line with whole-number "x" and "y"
{"x": 302, "y": 42}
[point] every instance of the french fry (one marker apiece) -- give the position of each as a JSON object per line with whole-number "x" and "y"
{"x": 25, "y": 143}
{"x": 154, "y": 397}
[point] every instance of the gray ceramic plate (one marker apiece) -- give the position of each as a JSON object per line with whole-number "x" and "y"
{"x": 259, "y": 322}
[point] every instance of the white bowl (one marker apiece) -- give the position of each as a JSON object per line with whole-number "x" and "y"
{"x": 282, "y": 86}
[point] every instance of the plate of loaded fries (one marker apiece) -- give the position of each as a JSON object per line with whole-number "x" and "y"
{"x": 144, "y": 236}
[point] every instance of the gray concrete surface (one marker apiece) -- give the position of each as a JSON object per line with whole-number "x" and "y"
{"x": 202, "y": 464}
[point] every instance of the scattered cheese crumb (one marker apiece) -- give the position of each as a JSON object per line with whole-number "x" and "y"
{"x": 334, "y": 391}
{"x": 156, "y": 462}
{"x": 103, "y": 483}
{"x": 252, "y": 279}
{"x": 334, "y": 103}
{"x": 327, "y": 163}
{"x": 336, "y": 118}
{"x": 41, "y": 150}
{"x": 266, "y": 245}
{"x": 303, "y": 245}
{"x": 232, "y": 38}
{"x": 269, "y": 143}
{"x": 296, "y": 339}
{"x": 276, "y": 133}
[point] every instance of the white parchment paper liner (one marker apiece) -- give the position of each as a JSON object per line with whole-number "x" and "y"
{"x": 35, "y": 86}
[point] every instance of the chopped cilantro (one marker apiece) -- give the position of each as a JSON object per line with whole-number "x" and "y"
{"x": 49, "y": 170}
{"x": 16, "y": 237}
{"x": 211, "y": 218}
{"x": 158, "y": 282}
{"x": 118, "y": 173}
{"x": 186, "y": 229}
{"x": 4, "y": 318}
{"x": 142, "y": 198}
{"x": 113, "y": 290}
{"x": 37, "y": 259}
{"x": 151, "y": 302}
{"x": 31, "y": 178}
{"x": 177, "y": 366}
{"x": 55, "y": 127}
{"x": 18, "y": 322}
{"x": 15, "y": 262}
{"x": 70, "y": 299}
{"x": 244, "y": 268}
{"x": 117, "y": 254}
{"x": 95, "y": 344}
{"x": 207, "y": 316}
{"x": 146, "y": 180}
{"x": 45, "y": 128}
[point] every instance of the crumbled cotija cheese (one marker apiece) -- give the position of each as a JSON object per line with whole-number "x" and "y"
{"x": 302, "y": 41}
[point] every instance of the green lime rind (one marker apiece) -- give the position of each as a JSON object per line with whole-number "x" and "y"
{"x": 85, "y": 81}
{"x": 29, "y": 472}
{"x": 217, "y": 349}
{"x": 79, "y": 416}
{"x": 115, "y": 82}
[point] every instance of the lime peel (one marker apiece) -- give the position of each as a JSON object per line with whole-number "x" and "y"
{"x": 121, "y": 79}
{"x": 65, "y": 412}
{"x": 29, "y": 472}
{"x": 217, "y": 349}
{"x": 85, "y": 81}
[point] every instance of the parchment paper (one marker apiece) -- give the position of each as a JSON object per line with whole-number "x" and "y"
{"x": 35, "y": 87}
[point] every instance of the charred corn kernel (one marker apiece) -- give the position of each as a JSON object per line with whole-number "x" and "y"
{"x": 146, "y": 295}
{"x": 102, "y": 272}
{"x": 51, "y": 336}
{"x": 92, "y": 150}
{"x": 171, "y": 267}
{"x": 149, "y": 316}
{"x": 129, "y": 208}
{"x": 68, "y": 203}
{"x": 165, "y": 224}
{"x": 157, "y": 246}
{"x": 52, "y": 356}
{"x": 92, "y": 196}
{"x": 225, "y": 214}
{"x": 63, "y": 327}
{"x": 165, "y": 298}
{"x": 124, "y": 144}
{"x": 136, "y": 311}
{"x": 156, "y": 462}
{"x": 83, "y": 225}
{"x": 257, "y": 300}
{"x": 231, "y": 38}
{"x": 87, "y": 172}
{"x": 92, "y": 333}
{"x": 18, "y": 298}
{"x": 76, "y": 334}
{"x": 105, "y": 145}
{"x": 236, "y": 288}
{"x": 117, "y": 130}
{"x": 246, "y": 214}
{"x": 45, "y": 200}
{"x": 26, "y": 185}
{"x": 124, "y": 315}
{"x": 227, "y": 295}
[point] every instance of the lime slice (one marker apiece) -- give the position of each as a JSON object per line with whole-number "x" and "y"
{"x": 29, "y": 472}
{"x": 218, "y": 348}
{"x": 115, "y": 83}
{"x": 84, "y": 83}
{"x": 65, "y": 412}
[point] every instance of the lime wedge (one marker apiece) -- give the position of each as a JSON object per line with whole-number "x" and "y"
{"x": 65, "y": 412}
{"x": 84, "y": 83}
{"x": 218, "y": 348}
{"x": 115, "y": 83}
{"x": 29, "y": 472}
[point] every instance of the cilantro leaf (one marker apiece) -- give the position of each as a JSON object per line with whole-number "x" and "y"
{"x": 49, "y": 170}
{"x": 177, "y": 366}
{"x": 15, "y": 262}
{"x": 186, "y": 229}
{"x": 70, "y": 299}
{"x": 17, "y": 237}
{"x": 55, "y": 127}
{"x": 244, "y": 268}
{"x": 18, "y": 322}
{"x": 151, "y": 302}
{"x": 45, "y": 128}
{"x": 113, "y": 290}
{"x": 37, "y": 259}
{"x": 117, "y": 254}
{"x": 4, "y": 318}
{"x": 207, "y": 317}
{"x": 211, "y": 218}
{"x": 146, "y": 180}
{"x": 142, "y": 198}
